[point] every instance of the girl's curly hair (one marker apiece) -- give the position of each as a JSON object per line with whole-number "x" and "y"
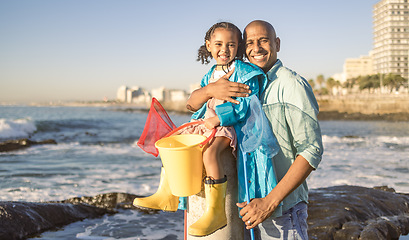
{"x": 204, "y": 54}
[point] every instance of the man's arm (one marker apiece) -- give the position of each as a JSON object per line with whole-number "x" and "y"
{"x": 260, "y": 209}
{"x": 222, "y": 89}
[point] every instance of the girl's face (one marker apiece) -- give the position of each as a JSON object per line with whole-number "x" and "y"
{"x": 223, "y": 45}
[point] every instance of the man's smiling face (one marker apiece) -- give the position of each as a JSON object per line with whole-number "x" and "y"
{"x": 262, "y": 45}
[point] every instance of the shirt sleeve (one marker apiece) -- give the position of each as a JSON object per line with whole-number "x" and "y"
{"x": 301, "y": 110}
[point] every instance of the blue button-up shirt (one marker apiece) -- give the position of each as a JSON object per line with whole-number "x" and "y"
{"x": 291, "y": 107}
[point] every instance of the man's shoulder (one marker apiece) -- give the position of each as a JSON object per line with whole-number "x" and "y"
{"x": 287, "y": 76}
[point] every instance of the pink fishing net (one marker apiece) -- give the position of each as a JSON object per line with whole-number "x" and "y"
{"x": 157, "y": 125}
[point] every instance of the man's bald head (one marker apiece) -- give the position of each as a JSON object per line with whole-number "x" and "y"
{"x": 261, "y": 23}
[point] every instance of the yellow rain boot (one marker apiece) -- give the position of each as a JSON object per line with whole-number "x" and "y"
{"x": 163, "y": 199}
{"x": 214, "y": 216}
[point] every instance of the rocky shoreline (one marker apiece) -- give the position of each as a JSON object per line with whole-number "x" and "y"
{"x": 11, "y": 145}
{"x": 339, "y": 212}
{"x": 335, "y": 115}
{"x": 353, "y": 212}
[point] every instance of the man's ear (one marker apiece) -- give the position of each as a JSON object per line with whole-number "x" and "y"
{"x": 278, "y": 42}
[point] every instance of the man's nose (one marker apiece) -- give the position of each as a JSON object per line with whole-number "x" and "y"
{"x": 257, "y": 47}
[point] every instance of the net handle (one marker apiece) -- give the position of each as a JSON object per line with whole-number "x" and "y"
{"x": 202, "y": 144}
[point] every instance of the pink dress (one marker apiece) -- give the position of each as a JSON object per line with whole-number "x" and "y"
{"x": 228, "y": 131}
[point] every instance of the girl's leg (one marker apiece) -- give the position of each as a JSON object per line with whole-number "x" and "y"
{"x": 214, "y": 216}
{"x": 211, "y": 157}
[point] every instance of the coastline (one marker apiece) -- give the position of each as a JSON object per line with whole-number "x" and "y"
{"x": 366, "y": 107}
{"x": 335, "y": 115}
{"x": 353, "y": 107}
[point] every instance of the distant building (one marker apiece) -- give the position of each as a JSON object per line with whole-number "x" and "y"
{"x": 178, "y": 95}
{"x": 355, "y": 67}
{"x": 138, "y": 95}
{"x": 122, "y": 94}
{"x": 391, "y": 37}
{"x": 161, "y": 94}
{"x": 165, "y": 95}
{"x": 132, "y": 95}
{"x": 340, "y": 77}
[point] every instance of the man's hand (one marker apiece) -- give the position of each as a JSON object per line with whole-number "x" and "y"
{"x": 260, "y": 209}
{"x": 257, "y": 211}
{"x": 223, "y": 89}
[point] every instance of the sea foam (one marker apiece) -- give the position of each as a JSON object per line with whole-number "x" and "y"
{"x": 18, "y": 128}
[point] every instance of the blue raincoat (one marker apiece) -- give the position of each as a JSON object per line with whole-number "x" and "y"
{"x": 259, "y": 165}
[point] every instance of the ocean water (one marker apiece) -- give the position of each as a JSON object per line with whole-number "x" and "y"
{"x": 97, "y": 153}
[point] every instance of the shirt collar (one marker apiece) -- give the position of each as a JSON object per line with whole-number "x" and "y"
{"x": 272, "y": 73}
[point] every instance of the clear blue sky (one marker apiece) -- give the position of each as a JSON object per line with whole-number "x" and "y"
{"x": 85, "y": 49}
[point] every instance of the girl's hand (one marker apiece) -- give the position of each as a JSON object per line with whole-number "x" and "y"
{"x": 212, "y": 122}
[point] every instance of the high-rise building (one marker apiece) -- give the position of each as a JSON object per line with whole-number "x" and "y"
{"x": 391, "y": 37}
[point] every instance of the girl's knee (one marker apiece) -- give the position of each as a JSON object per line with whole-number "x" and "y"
{"x": 214, "y": 149}
{"x": 210, "y": 154}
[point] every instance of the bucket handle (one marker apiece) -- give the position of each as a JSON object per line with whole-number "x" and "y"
{"x": 202, "y": 144}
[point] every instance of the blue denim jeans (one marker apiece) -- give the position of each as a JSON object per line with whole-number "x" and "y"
{"x": 292, "y": 225}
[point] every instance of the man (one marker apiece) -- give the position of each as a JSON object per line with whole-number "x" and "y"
{"x": 292, "y": 109}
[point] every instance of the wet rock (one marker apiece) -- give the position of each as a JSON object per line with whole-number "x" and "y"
{"x": 340, "y": 212}
{"x": 12, "y": 145}
{"x": 386, "y": 227}
{"x": 19, "y": 220}
{"x": 352, "y": 212}
{"x": 107, "y": 200}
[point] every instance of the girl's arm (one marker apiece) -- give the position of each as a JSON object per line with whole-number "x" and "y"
{"x": 222, "y": 89}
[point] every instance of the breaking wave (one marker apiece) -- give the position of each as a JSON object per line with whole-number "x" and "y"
{"x": 18, "y": 128}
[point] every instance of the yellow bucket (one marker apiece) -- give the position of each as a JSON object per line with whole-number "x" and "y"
{"x": 182, "y": 159}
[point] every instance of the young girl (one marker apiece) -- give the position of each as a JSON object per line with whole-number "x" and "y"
{"x": 223, "y": 42}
